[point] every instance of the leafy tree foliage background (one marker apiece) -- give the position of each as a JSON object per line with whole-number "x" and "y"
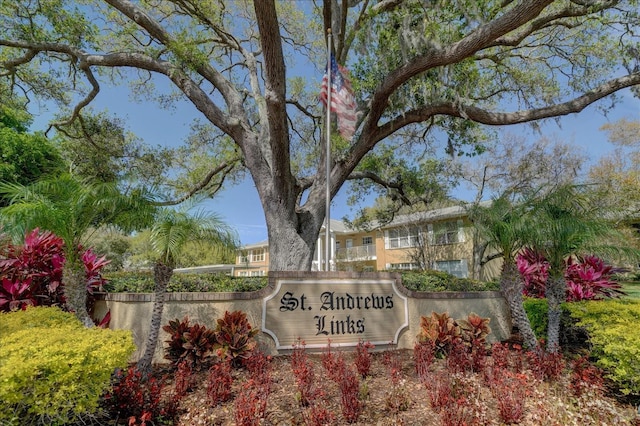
{"x": 429, "y": 77}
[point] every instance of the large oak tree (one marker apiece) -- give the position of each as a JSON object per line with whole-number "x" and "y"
{"x": 421, "y": 70}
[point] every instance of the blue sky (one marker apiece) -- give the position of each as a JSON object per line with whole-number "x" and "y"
{"x": 240, "y": 206}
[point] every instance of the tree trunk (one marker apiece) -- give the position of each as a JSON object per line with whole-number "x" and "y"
{"x": 292, "y": 233}
{"x": 479, "y": 248}
{"x": 161, "y": 276}
{"x": 75, "y": 291}
{"x": 511, "y": 287}
{"x": 556, "y": 295}
{"x": 289, "y": 249}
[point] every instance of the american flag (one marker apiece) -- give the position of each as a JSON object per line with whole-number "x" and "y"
{"x": 343, "y": 103}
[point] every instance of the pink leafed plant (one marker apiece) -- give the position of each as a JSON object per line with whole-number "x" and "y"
{"x": 304, "y": 374}
{"x": 587, "y": 277}
{"x": 32, "y": 272}
{"x": 219, "y": 383}
{"x": 534, "y": 268}
{"x": 363, "y": 358}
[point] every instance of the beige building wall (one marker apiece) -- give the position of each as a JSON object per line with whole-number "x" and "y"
{"x": 252, "y": 260}
{"x": 445, "y": 234}
{"x": 356, "y": 251}
{"x": 440, "y": 249}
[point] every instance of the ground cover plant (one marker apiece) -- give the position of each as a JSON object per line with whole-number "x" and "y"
{"x": 608, "y": 329}
{"x": 614, "y": 336}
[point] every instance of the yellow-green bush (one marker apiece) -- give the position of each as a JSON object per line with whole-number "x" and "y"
{"x": 52, "y": 369}
{"x": 537, "y": 311}
{"x": 615, "y": 336}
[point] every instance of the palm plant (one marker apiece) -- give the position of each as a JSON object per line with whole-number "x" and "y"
{"x": 71, "y": 208}
{"x": 564, "y": 224}
{"x": 171, "y": 231}
{"x": 503, "y": 226}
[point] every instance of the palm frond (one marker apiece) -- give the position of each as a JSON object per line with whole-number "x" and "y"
{"x": 173, "y": 229}
{"x": 565, "y": 223}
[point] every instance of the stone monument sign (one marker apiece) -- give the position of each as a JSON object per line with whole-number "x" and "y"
{"x": 343, "y": 311}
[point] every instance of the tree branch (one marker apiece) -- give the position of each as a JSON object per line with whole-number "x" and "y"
{"x": 26, "y": 58}
{"x": 386, "y": 5}
{"x": 302, "y": 109}
{"x": 95, "y": 89}
{"x": 489, "y": 258}
{"x": 189, "y": 87}
{"x": 224, "y": 168}
{"x": 382, "y": 182}
{"x": 483, "y": 116}
{"x": 478, "y": 39}
{"x": 571, "y": 11}
{"x": 275, "y": 83}
{"x": 233, "y": 99}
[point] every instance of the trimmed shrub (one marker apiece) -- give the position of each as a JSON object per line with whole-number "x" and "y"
{"x": 53, "y": 369}
{"x": 441, "y": 281}
{"x": 615, "y": 336}
{"x": 537, "y": 311}
{"x": 142, "y": 282}
{"x": 573, "y": 337}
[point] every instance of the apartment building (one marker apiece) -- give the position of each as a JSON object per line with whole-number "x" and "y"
{"x": 252, "y": 260}
{"x": 438, "y": 239}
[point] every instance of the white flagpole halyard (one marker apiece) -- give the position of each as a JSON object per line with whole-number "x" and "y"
{"x": 327, "y": 228}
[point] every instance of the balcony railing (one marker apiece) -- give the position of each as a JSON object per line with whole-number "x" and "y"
{"x": 351, "y": 254}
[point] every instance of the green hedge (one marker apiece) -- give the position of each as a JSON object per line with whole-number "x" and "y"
{"x": 142, "y": 282}
{"x": 53, "y": 370}
{"x": 537, "y": 311}
{"x": 441, "y": 281}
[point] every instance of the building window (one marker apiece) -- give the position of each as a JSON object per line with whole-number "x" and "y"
{"x": 403, "y": 237}
{"x": 447, "y": 233}
{"x": 243, "y": 273}
{"x": 404, "y": 266}
{"x": 257, "y": 273}
{"x": 256, "y": 255}
{"x": 367, "y": 241}
{"x": 456, "y": 268}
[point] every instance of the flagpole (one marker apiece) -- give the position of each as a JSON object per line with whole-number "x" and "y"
{"x": 327, "y": 228}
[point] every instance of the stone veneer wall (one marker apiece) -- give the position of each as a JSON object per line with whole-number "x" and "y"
{"x": 132, "y": 311}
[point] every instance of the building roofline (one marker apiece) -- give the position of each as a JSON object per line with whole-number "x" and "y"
{"x": 340, "y": 227}
{"x": 206, "y": 268}
{"x": 259, "y": 244}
